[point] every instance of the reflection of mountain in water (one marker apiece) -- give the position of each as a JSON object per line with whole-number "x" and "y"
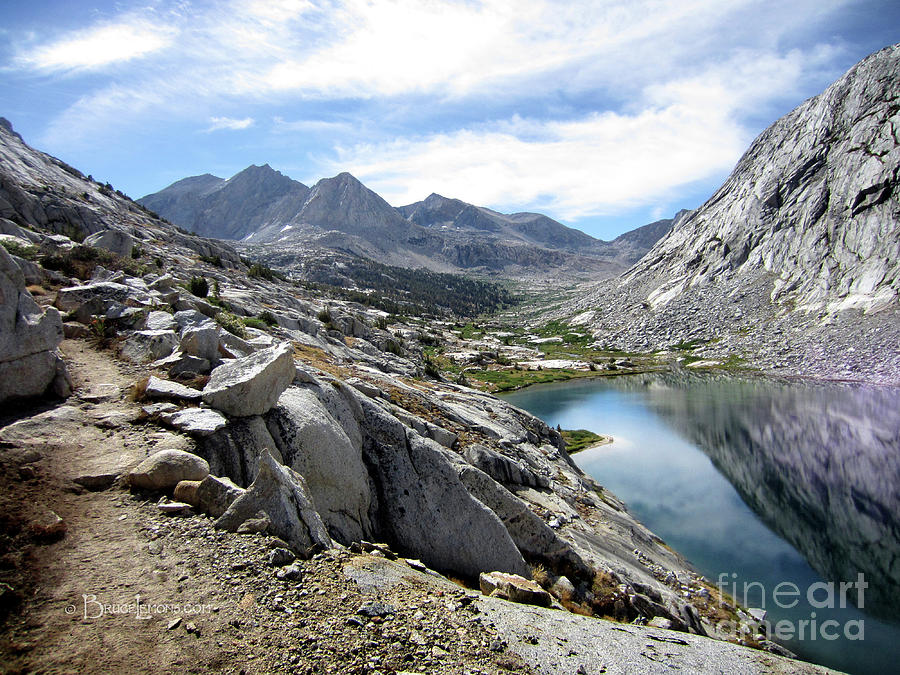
{"x": 820, "y": 464}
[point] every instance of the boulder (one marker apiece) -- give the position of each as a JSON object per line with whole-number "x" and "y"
{"x": 251, "y": 385}
{"x": 166, "y": 468}
{"x": 157, "y": 320}
{"x": 215, "y": 495}
{"x": 163, "y": 284}
{"x": 279, "y": 557}
{"x": 143, "y": 346}
{"x": 231, "y": 346}
{"x": 563, "y": 589}
{"x": 503, "y": 469}
{"x": 195, "y": 421}
{"x": 315, "y": 430}
{"x": 201, "y": 341}
{"x": 283, "y": 496}
{"x": 165, "y": 389}
{"x": 116, "y": 241}
{"x": 513, "y": 587}
{"x": 191, "y": 318}
{"x": 29, "y": 336}
{"x": 186, "y": 491}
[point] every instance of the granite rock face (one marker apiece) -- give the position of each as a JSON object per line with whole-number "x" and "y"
{"x": 283, "y": 496}
{"x": 813, "y": 201}
{"x": 29, "y": 337}
{"x": 251, "y": 385}
{"x": 804, "y": 232}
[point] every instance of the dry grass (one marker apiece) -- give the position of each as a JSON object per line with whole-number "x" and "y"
{"x": 139, "y": 390}
{"x": 540, "y": 576}
{"x": 577, "y": 607}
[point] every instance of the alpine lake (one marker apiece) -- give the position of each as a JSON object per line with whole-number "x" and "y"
{"x": 784, "y": 493}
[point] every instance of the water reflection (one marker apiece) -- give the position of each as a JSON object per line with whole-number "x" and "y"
{"x": 819, "y": 463}
{"x": 764, "y": 481}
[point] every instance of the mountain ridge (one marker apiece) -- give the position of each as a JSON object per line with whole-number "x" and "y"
{"x": 794, "y": 262}
{"x": 439, "y": 233}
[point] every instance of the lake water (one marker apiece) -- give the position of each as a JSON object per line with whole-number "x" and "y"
{"x": 755, "y": 480}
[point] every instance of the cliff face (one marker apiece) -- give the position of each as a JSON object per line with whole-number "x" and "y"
{"x": 813, "y": 202}
{"x": 802, "y": 239}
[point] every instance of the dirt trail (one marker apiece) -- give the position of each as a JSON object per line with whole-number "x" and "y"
{"x": 149, "y": 570}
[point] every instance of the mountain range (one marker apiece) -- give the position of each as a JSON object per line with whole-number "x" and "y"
{"x": 263, "y": 207}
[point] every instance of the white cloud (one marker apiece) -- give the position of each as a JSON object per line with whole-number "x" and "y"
{"x": 100, "y": 46}
{"x": 624, "y": 101}
{"x": 313, "y": 126}
{"x": 219, "y": 123}
{"x": 595, "y": 165}
{"x": 677, "y": 133}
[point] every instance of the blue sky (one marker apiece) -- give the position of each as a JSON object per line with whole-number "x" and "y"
{"x": 604, "y": 115}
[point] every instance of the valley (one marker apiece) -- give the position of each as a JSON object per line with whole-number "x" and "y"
{"x": 300, "y": 381}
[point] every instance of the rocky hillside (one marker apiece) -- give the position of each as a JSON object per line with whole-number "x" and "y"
{"x": 794, "y": 262}
{"x": 202, "y": 388}
{"x": 440, "y": 234}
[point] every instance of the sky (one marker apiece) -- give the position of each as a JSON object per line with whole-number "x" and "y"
{"x": 605, "y": 115}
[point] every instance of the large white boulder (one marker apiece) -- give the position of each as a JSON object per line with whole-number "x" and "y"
{"x": 116, "y": 241}
{"x": 201, "y": 341}
{"x": 166, "y": 468}
{"x": 251, "y": 385}
{"x": 28, "y": 337}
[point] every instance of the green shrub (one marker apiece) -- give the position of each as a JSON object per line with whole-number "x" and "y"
{"x": 231, "y": 323}
{"x": 268, "y": 318}
{"x": 198, "y": 286}
{"x": 136, "y": 251}
{"x": 393, "y": 347}
{"x": 324, "y": 316}
{"x": 214, "y": 260}
{"x": 253, "y": 322}
{"x": 15, "y": 248}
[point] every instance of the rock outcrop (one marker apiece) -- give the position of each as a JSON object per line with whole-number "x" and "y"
{"x": 282, "y": 495}
{"x": 795, "y": 258}
{"x": 29, "y": 336}
{"x": 251, "y": 385}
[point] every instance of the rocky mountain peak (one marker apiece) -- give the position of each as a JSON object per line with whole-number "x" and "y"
{"x": 813, "y": 202}
{"x": 795, "y": 261}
